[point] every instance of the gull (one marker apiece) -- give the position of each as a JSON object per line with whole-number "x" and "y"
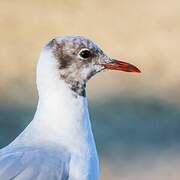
{"x": 58, "y": 144}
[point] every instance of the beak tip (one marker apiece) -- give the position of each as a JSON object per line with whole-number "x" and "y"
{"x": 137, "y": 70}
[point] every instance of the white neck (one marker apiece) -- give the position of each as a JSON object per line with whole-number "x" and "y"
{"x": 61, "y": 119}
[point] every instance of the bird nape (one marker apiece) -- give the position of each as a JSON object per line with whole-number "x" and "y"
{"x": 58, "y": 144}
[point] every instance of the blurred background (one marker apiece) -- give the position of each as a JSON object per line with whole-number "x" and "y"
{"x": 136, "y": 117}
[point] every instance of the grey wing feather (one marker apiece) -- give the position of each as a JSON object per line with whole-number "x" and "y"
{"x": 34, "y": 164}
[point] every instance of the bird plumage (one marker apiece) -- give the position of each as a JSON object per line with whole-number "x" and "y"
{"x": 34, "y": 164}
{"x": 58, "y": 144}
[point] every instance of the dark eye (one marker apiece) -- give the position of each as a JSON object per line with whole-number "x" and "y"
{"x": 85, "y": 53}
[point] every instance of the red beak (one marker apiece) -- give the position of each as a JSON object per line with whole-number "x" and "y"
{"x": 121, "y": 66}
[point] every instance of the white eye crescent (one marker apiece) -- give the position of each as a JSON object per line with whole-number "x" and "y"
{"x": 85, "y": 53}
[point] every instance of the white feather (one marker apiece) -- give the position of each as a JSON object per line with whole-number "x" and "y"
{"x": 61, "y": 128}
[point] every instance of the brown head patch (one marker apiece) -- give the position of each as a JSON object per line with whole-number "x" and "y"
{"x": 75, "y": 70}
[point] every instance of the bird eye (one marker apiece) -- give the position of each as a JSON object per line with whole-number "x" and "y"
{"x": 85, "y": 53}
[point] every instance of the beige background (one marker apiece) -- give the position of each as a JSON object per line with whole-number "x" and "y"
{"x": 146, "y": 33}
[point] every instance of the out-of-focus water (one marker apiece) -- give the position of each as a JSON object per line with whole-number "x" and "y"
{"x": 132, "y": 123}
{"x": 129, "y": 132}
{"x": 135, "y": 125}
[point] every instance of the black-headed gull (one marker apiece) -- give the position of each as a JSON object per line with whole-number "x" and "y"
{"x": 58, "y": 144}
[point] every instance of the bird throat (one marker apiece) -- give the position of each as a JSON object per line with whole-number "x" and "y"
{"x": 77, "y": 87}
{"x": 75, "y": 83}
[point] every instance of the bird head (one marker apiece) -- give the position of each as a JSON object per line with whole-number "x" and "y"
{"x": 79, "y": 59}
